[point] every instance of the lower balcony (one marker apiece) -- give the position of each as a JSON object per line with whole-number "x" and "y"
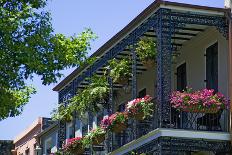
{"x": 190, "y": 130}
{"x": 178, "y": 142}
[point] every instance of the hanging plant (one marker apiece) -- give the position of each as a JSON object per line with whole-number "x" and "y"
{"x": 99, "y": 89}
{"x": 140, "y": 108}
{"x": 116, "y": 122}
{"x": 147, "y": 52}
{"x": 120, "y": 71}
{"x": 96, "y": 136}
{"x": 74, "y": 146}
{"x": 89, "y": 99}
{"x": 63, "y": 113}
{"x": 203, "y": 101}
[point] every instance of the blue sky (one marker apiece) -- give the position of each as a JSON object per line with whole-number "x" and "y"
{"x": 105, "y": 18}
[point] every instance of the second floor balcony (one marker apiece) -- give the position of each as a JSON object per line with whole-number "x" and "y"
{"x": 188, "y": 49}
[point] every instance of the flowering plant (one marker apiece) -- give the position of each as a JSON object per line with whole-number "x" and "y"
{"x": 96, "y": 136}
{"x": 140, "y": 107}
{"x": 199, "y": 101}
{"x": 115, "y": 121}
{"x": 73, "y": 146}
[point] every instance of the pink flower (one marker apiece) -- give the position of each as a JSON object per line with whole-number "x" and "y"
{"x": 204, "y": 98}
{"x": 105, "y": 122}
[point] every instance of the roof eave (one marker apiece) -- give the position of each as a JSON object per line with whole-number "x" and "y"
{"x": 142, "y": 16}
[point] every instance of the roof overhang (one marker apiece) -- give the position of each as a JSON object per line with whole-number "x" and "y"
{"x": 36, "y": 123}
{"x": 54, "y": 125}
{"x": 137, "y": 21}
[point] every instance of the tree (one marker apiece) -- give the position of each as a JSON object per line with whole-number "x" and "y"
{"x": 28, "y": 47}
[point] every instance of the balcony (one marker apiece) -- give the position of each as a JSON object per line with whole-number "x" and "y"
{"x": 188, "y": 122}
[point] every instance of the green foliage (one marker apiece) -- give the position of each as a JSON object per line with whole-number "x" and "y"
{"x": 98, "y": 88}
{"x": 118, "y": 117}
{"x": 96, "y": 132}
{"x": 89, "y": 138}
{"x": 29, "y": 46}
{"x": 119, "y": 69}
{"x": 12, "y": 101}
{"x": 86, "y": 100}
{"x": 62, "y": 113}
{"x": 146, "y": 49}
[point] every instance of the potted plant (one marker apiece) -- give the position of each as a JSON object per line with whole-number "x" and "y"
{"x": 99, "y": 89}
{"x": 97, "y": 136}
{"x": 120, "y": 71}
{"x": 140, "y": 108}
{"x": 146, "y": 51}
{"x": 74, "y": 146}
{"x": 88, "y": 100}
{"x": 63, "y": 113}
{"x": 116, "y": 122}
{"x": 202, "y": 101}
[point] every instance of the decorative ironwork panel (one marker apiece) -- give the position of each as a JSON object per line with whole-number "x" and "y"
{"x": 110, "y": 110}
{"x": 131, "y": 39}
{"x": 220, "y": 22}
{"x": 170, "y": 145}
{"x": 61, "y": 133}
{"x": 152, "y": 147}
{"x": 64, "y": 96}
{"x": 164, "y": 30}
{"x": 134, "y": 74}
{"x": 66, "y": 93}
{"x": 134, "y": 87}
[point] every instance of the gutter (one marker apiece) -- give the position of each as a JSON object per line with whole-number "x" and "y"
{"x": 230, "y": 66}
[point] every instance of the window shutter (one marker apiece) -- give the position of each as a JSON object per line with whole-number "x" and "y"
{"x": 212, "y": 67}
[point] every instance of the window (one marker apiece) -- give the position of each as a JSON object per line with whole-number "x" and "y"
{"x": 121, "y": 107}
{"x": 78, "y": 128}
{"x": 181, "y": 82}
{"x": 91, "y": 118}
{"x": 181, "y": 77}
{"x": 70, "y": 130}
{"x": 27, "y": 152}
{"x": 48, "y": 146}
{"x": 212, "y": 67}
{"x": 142, "y": 93}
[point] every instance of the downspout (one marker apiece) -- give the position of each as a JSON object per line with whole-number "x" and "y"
{"x": 229, "y": 18}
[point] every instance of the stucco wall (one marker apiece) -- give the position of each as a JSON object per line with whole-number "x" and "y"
{"x": 145, "y": 80}
{"x": 193, "y": 54}
{"x": 28, "y": 142}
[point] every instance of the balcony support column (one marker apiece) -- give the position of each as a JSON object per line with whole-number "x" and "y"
{"x": 110, "y": 110}
{"x": 164, "y": 30}
{"x": 134, "y": 87}
{"x": 64, "y": 97}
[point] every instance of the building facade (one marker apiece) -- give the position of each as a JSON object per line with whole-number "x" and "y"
{"x": 47, "y": 140}
{"x": 25, "y": 143}
{"x": 194, "y": 48}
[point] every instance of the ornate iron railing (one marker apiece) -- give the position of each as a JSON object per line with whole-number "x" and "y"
{"x": 200, "y": 121}
{"x": 217, "y": 122}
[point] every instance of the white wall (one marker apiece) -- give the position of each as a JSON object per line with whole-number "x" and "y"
{"x": 193, "y": 54}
